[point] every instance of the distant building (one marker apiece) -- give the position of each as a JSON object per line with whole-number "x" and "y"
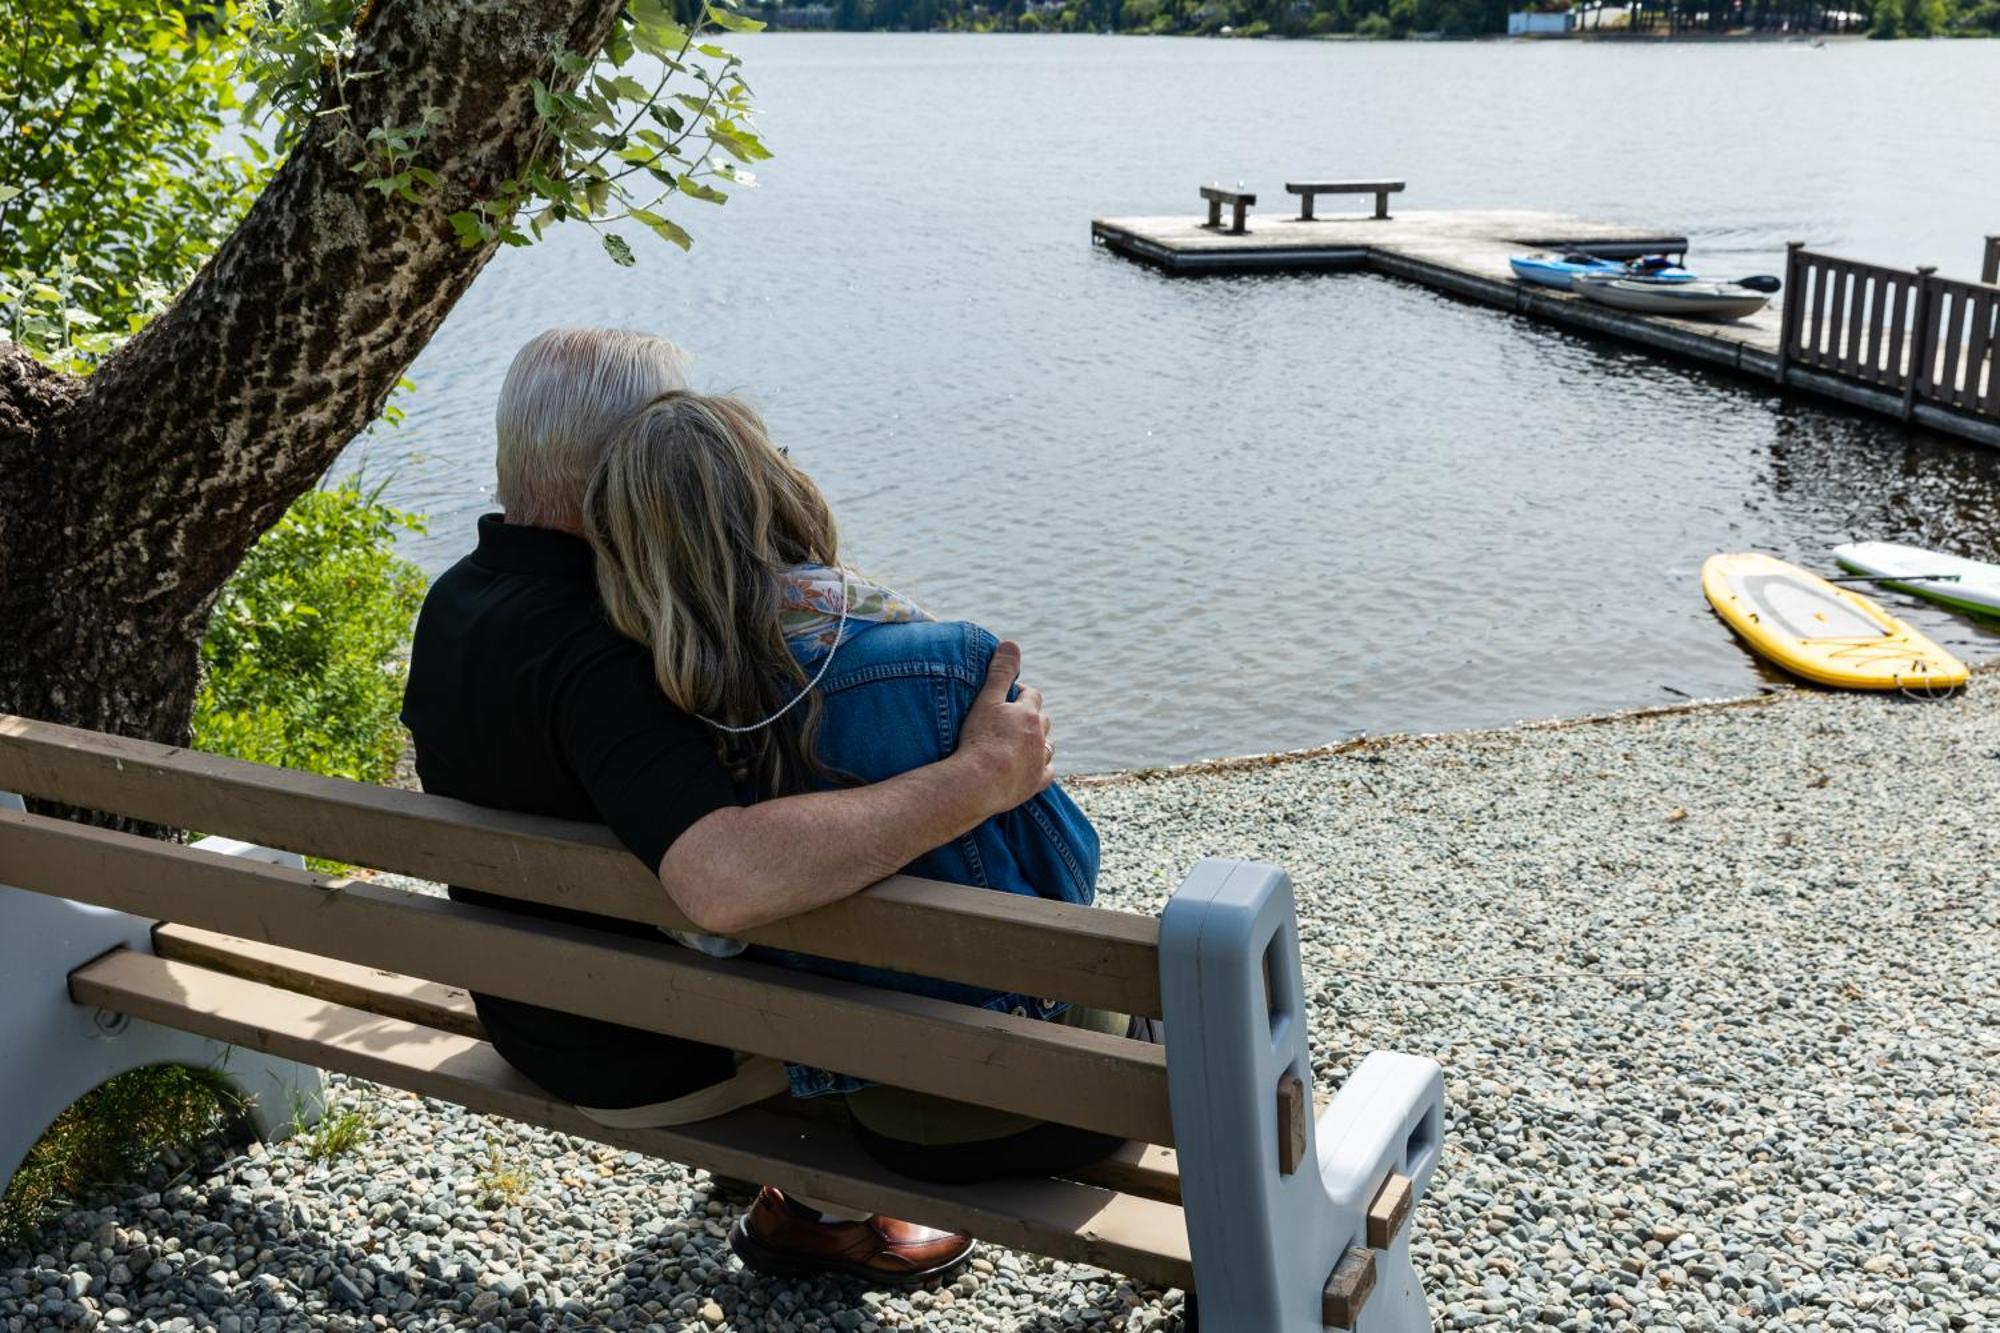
{"x": 1536, "y": 23}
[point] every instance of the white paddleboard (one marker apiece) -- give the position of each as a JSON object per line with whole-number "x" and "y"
{"x": 1976, "y": 589}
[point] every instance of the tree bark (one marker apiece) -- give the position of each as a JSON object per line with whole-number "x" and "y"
{"x": 128, "y": 497}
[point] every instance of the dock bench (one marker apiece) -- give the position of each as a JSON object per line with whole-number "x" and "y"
{"x": 119, "y": 951}
{"x": 1239, "y": 201}
{"x": 1308, "y": 191}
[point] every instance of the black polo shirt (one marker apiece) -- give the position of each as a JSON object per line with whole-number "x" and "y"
{"x": 521, "y": 696}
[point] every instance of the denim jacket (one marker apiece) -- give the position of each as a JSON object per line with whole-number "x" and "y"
{"x": 893, "y": 700}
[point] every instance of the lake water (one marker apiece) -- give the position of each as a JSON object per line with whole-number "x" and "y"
{"x": 1235, "y": 515}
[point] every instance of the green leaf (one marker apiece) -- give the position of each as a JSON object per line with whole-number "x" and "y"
{"x": 471, "y": 231}
{"x": 694, "y": 189}
{"x": 620, "y": 252}
{"x": 625, "y": 86}
{"x": 729, "y": 22}
{"x": 665, "y": 228}
{"x": 739, "y": 144}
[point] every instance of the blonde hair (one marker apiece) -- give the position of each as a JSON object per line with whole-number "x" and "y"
{"x": 565, "y": 392}
{"x": 695, "y": 515}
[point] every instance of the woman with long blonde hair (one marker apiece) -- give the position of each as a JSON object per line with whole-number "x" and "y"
{"x": 721, "y": 556}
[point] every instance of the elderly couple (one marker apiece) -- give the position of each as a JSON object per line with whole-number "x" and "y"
{"x": 658, "y": 634}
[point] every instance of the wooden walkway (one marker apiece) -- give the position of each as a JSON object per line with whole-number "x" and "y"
{"x": 1464, "y": 253}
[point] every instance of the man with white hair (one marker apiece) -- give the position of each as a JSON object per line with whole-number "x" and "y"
{"x": 522, "y": 697}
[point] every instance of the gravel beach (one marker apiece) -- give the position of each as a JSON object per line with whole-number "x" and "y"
{"x": 1717, "y": 993}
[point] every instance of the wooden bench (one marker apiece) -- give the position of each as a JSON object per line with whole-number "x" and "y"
{"x": 1308, "y": 191}
{"x": 118, "y": 951}
{"x": 1239, "y": 202}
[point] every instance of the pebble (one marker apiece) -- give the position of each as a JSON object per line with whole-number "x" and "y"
{"x": 1729, "y": 1072}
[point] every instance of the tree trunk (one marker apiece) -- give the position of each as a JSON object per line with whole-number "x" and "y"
{"x": 128, "y": 497}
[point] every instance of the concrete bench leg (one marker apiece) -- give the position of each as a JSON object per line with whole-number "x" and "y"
{"x": 1382, "y": 204}
{"x": 1266, "y": 1241}
{"x": 1215, "y": 213}
{"x": 52, "y": 1051}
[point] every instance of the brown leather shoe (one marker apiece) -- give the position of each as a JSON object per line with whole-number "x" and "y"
{"x": 782, "y": 1239}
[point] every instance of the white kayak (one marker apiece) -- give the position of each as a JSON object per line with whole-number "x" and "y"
{"x": 1912, "y": 569}
{"x": 1685, "y": 300}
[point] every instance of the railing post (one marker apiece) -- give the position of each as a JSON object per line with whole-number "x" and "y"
{"x": 1989, "y": 268}
{"x": 1924, "y": 344}
{"x": 1794, "y": 310}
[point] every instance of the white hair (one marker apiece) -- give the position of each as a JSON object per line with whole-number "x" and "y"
{"x": 564, "y": 394}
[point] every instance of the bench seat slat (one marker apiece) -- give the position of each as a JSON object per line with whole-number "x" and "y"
{"x": 1064, "y": 1220}
{"x": 389, "y": 994}
{"x": 1106, "y": 959}
{"x": 1145, "y": 1169}
{"x": 1017, "y": 1064}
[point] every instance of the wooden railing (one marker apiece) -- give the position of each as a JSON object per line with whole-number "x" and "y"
{"x": 1958, "y": 367}
{"x": 1908, "y": 331}
{"x": 1989, "y": 268}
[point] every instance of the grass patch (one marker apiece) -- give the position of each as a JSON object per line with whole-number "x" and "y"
{"x": 336, "y": 1134}
{"x": 501, "y": 1184}
{"x": 113, "y": 1133}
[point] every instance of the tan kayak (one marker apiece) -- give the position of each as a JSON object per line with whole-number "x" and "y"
{"x": 1683, "y": 300}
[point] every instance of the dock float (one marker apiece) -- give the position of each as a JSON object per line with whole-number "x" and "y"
{"x": 1463, "y": 253}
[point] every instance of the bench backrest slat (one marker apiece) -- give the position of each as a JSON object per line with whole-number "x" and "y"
{"x": 1014, "y": 1064}
{"x": 1077, "y": 1222}
{"x": 1091, "y": 956}
{"x": 1145, "y": 1169}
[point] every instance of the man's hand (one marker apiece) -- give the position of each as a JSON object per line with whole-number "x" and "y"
{"x": 1008, "y": 740}
{"x": 741, "y": 867}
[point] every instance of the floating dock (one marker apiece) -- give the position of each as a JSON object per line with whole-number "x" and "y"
{"x": 1464, "y": 254}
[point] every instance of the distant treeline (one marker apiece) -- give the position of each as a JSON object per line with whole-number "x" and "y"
{"x": 1378, "y": 18}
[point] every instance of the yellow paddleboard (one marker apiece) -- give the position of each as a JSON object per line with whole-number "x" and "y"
{"x": 1827, "y": 634}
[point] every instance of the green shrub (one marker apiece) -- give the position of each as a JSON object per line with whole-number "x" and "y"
{"x": 112, "y": 1132}
{"x": 303, "y": 666}
{"x": 1908, "y": 18}
{"x": 303, "y": 663}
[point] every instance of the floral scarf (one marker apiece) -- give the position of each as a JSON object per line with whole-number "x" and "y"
{"x": 809, "y": 607}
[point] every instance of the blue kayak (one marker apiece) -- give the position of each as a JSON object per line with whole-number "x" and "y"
{"x": 1557, "y": 270}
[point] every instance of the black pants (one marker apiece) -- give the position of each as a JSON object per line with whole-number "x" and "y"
{"x": 1046, "y": 1150}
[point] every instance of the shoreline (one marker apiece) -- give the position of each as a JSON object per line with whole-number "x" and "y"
{"x": 1245, "y": 763}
